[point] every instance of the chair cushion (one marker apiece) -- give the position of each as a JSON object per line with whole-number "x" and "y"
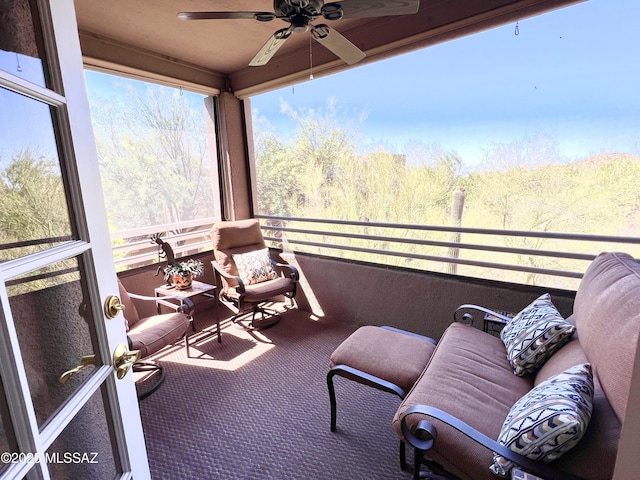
{"x": 254, "y": 267}
{"x": 549, "y": 420}
{"x": 534, "y": 334}
{"x": 153, "y": 333}
{"x": 130, "y": 312}
{"x": 260, "y": 292}
{"x": 238, "y": 233}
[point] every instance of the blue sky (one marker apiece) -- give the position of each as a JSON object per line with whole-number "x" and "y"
{"x": 572, "y": 73}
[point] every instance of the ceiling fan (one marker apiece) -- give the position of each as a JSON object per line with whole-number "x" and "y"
{"x": 300, "y": 14}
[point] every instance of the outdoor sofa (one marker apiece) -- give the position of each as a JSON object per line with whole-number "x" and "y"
{"x": 455, "y": 412}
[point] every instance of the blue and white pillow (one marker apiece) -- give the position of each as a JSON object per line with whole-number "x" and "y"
{"x": 254, "y": 267}
{"x": 535, "y": 334}
{"x": 549, "y": 420}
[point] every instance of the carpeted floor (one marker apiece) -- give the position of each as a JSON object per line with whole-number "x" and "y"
{"x": 256, "y": 407}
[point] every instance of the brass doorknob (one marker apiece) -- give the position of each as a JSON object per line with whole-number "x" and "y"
{"x": 123, "y": 360}
{"x": 112, "y": 306}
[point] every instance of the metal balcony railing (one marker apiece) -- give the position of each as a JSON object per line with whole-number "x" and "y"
{"x": 532, "y": 257}
{"x": 550, "y": 259}
{"x": 133, "y": 248}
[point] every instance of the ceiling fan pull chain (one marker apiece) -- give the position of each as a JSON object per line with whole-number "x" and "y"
{"x": 310, "y": 58}
{"x": 517, "y": 30}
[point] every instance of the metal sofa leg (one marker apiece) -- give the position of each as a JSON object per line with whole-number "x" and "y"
{"x": 332, "y": 398}
{"x": 417, "y": 463}
{"x": 403, "y": 456}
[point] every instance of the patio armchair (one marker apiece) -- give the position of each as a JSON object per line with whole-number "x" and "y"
{"x": 151, "y": 334}
{"x": 248, "y": 275}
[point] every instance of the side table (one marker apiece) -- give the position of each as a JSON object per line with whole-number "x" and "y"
{"x": 493, "y": 324}
{"x": 200, "y": 294}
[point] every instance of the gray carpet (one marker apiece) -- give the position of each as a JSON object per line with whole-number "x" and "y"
{"x": 256, "y": 407}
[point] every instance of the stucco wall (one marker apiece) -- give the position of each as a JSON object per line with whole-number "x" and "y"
{"x": 368, "y": 294}
{"x": 422, "y": 302}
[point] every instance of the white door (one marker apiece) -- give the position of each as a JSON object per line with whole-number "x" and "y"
{"x": 63, "y": 412}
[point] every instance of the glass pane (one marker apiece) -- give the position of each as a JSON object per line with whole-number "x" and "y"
{"x": 21, "y": 53}
{"x": 146, "y": 133}
{"x": 84, "y": 448}
{"x": 33, "y": 207}
{"x": 7, "y": 439}
{"x": 56, "y": 332}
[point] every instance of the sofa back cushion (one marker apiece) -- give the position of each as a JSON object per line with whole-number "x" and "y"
{"x": 595, "y": 456}
{"x": 607, "y": 317}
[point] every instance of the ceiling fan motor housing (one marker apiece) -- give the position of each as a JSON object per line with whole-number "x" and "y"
{"x": 290, "y": 8}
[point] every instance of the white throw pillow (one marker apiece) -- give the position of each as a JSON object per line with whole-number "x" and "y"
{"x": 535, "y": 334}
{"x": 549, "y": 420}
{"x": 254, "y": 267}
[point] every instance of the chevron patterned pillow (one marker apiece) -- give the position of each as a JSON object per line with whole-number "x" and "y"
{"x": 254, "y": 267}
{"x": 535, "y": 334}
{"x": 549, "y": 420}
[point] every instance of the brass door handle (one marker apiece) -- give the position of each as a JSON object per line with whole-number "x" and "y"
{"x": 84, "y": 362}
{"x": 112, "y": 306}
{"x": 124, "y": 359}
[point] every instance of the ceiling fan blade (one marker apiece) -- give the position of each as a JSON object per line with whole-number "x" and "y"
{"x": 270, "y": 48}
{"x": 260, "y": 16}
{"x": 376, "y": 8}
{"x": 338, "y": 44}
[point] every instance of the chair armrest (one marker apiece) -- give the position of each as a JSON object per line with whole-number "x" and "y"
{"x": 426, "y": 433}
{"x": 295, "y": 275}
{"x": 186, "y": 305}
{"x": 216, "y": 266}
{"x": 468, "y": 318}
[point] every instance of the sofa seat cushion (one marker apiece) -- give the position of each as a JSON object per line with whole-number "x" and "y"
{"x": 470, "y": 378}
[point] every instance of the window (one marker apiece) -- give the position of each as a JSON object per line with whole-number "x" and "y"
{"x": 530, "y": 127}
{"x": 157, "y": 154}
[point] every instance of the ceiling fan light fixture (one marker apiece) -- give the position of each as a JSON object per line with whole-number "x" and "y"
{"x": 299, "y": 23}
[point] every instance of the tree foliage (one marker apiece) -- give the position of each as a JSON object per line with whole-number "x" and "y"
{"x": 33, "y": 205}
{"x": 524, "y": 185}
{"x": 153, "y": 158}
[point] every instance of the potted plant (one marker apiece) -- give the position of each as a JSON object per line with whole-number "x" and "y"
{"x": 181, "y": 274}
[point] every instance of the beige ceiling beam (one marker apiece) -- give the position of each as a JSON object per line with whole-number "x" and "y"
{"x": 435, "y": 22}
{"x": 111, "y": 56}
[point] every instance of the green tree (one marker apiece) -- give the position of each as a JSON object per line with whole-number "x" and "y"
{"x": 153, "y": 158}
{"x": 33, "y": 205}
